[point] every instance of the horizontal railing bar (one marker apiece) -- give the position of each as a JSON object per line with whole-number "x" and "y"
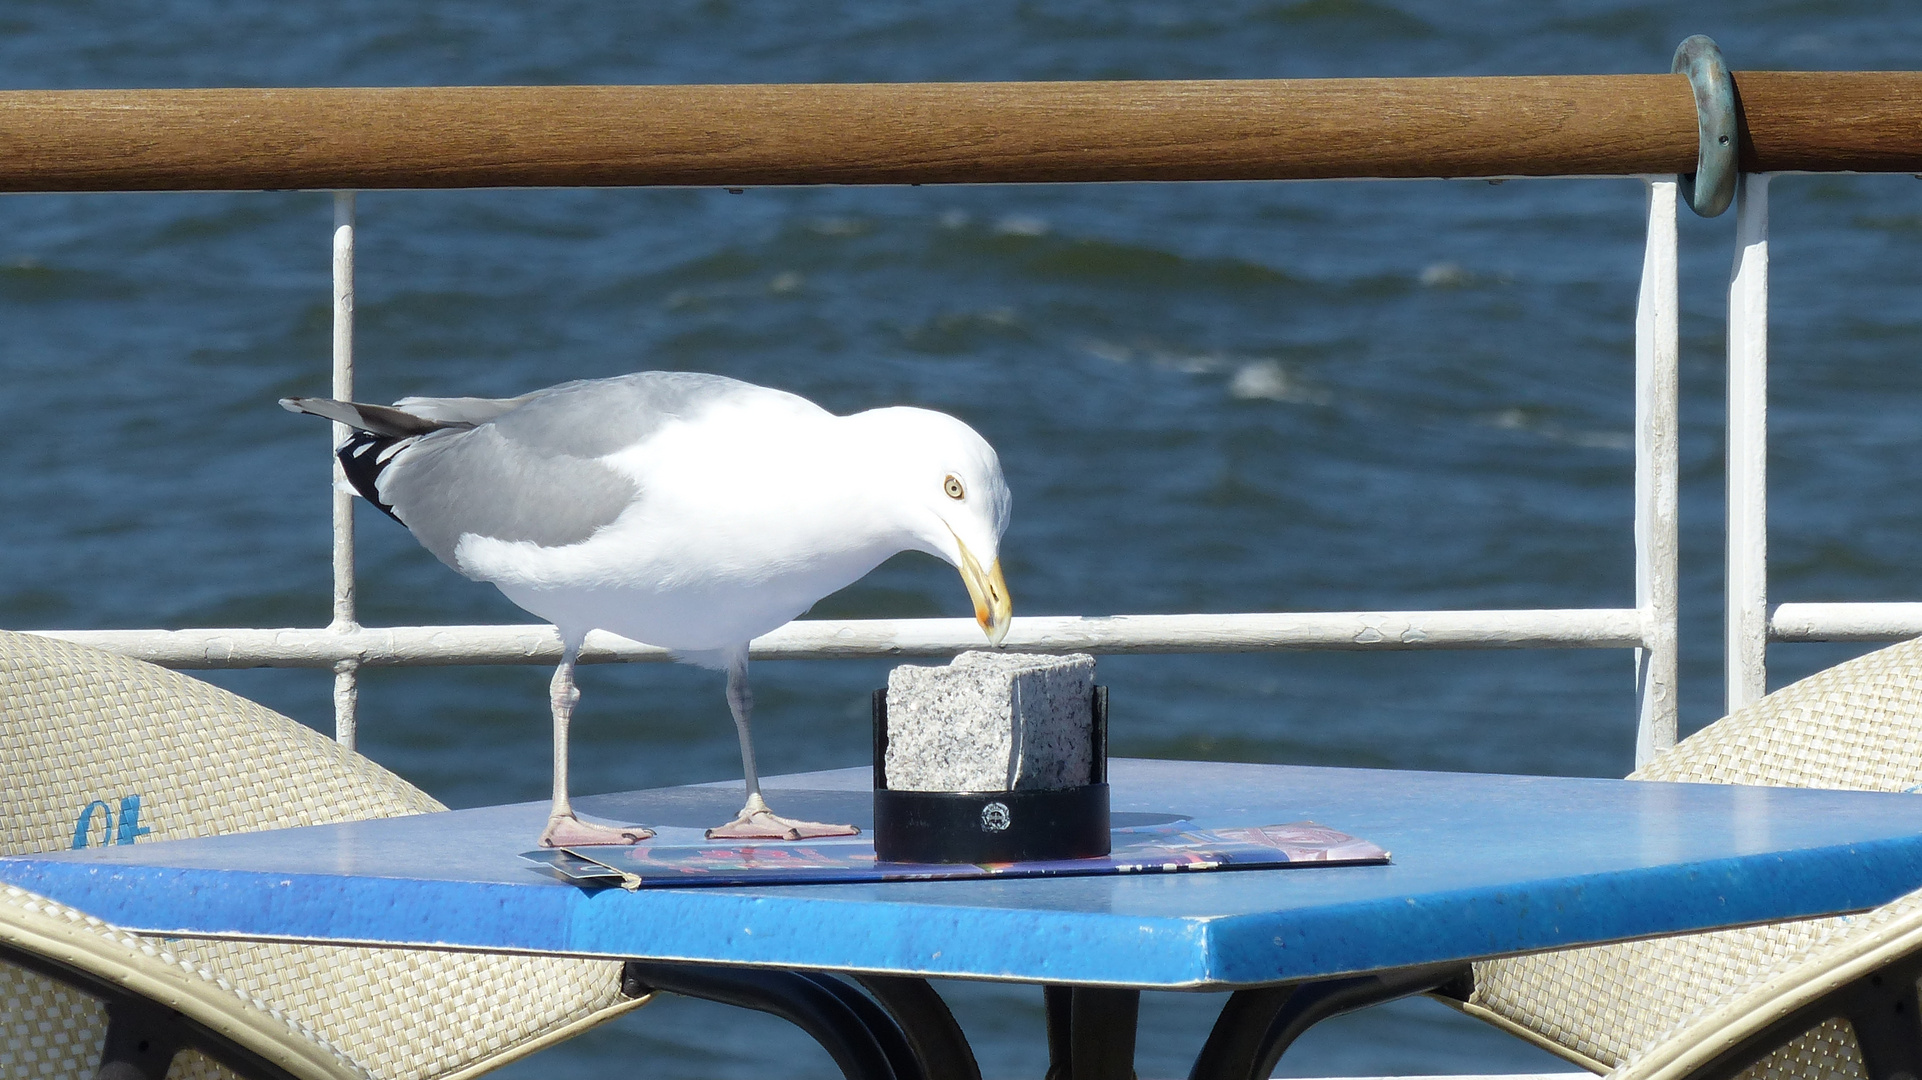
{"x": 832, "y": 639}
{"x": 845, "y": 133}
{"x": 1846, "y": 622}
{"x": 927, "y": 133}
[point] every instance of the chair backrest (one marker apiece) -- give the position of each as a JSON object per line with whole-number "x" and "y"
{"x": 1857, "y": 725}
{"x": 1796, "y": 1017}
{"x": 97, "y": 748}
{"x": 51, "y": 1029}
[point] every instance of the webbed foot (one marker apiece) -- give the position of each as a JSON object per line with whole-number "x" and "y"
{"x": 757, "y": 822}
{"x": 566, "y": 830}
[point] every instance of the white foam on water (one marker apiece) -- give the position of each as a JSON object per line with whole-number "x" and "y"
{"x": 1446, "y": 275}
{"x": 1021, "y": 225}
{"x": 1268, "y": 380}
{"x": 1516, "y": 419}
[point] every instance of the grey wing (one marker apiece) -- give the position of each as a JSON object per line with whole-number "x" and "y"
{"x": 451, "y": 483}
{"x": 532, "y": 472}
{"x": 595, "y": 417}
{"x": 459, "y": 410}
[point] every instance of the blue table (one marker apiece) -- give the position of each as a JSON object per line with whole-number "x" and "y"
{"x": 1483, "y": 866}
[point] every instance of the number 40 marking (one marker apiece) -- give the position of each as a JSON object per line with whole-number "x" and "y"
{"x": 130, "y": 826}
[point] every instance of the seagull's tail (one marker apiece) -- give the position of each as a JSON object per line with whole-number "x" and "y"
{"x": 380, "y": 432}
{"x": 378, "y": 419}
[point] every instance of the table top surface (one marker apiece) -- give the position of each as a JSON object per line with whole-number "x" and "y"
{"x": 1483, "y": 866}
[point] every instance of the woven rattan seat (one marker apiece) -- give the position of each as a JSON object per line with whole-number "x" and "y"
{"x": 1655, "y": 1008}
{"x": 81, "y": 732}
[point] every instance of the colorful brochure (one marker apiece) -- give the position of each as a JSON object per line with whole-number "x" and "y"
{"x": 1172, "y": 847}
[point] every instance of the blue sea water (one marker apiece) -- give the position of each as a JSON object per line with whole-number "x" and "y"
{"x": 1209, "y": 398}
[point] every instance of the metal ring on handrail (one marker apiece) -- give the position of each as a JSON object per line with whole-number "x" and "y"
{"x": 1711, "y": 187}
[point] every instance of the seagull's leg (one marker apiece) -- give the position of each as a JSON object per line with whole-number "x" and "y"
{"x": 563, "y": 828}
{"x": 740, "y": 702}
{"x": 756, "y": 821}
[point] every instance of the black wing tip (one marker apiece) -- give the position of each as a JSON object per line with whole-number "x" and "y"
{"x": 362, "y": 460}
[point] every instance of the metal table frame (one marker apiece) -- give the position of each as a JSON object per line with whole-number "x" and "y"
{"x": 902, "y": 1030}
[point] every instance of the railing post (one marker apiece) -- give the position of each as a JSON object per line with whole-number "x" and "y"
{"x": 346, "y": 672}
{"x": 1657, "y": 472}
{"x": 1746, "y": 597}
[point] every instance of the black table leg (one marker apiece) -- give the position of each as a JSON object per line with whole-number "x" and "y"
{"x": 1238, "y": 1044}
{"x": 843, "y": 1027}
{"x": 887, "y": 1034}
{"x": 1257, "y": 1025}
{"x": 1091, "y": 1032}
{"x": 935, "y": 1040}
{"x": 1881, "y": 1007}
{"x": 906, "y": 1031}
{"x": 142, "y": 1039}
{"x": 1058, "y": 1001}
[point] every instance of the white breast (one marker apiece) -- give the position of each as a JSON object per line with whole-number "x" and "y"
{"x": 742, "y": 523}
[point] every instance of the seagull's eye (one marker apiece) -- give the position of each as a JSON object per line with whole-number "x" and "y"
{"x": 953, "y": 487}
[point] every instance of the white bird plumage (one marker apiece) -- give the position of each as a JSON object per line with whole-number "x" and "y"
{"x": 689, "y": 511}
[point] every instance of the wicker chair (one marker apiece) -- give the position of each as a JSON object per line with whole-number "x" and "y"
{"x": 1789, "y": 994}
{"x": 98, "y": 748}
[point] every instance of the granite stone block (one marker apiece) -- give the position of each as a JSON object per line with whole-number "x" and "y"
{"x": 991, "y": 721}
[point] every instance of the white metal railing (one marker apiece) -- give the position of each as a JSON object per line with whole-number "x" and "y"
{"x": 1603, "y": 125}
{"x": 811, "y": 639}
{"x": 1658, "y": 476}
{"x": 1750, "y": 626}
{"x": 1888, "y": 621}
{"x": 346, "y": 666}
{"x": 1649, "y": 628}
{"x": 1745, "y": 583}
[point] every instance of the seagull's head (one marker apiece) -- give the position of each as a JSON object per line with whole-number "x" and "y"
{"x": 945, "y": 481}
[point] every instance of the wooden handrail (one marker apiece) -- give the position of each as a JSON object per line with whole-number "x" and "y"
{"x": 929, "y": 133}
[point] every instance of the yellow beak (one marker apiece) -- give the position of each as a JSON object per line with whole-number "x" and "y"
{"x": 989, "y": 590}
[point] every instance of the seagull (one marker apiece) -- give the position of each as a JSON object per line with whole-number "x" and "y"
{"x": 684, "y": 510}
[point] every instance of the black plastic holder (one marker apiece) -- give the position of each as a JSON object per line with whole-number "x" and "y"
{"x": 991, "y": 826}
